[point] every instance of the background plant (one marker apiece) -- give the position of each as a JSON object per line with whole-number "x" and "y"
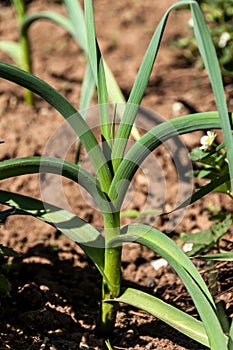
{"x": 5, "y": 286}
{"x": 74, "y": 24}
{"x": 218, "y": 15}
{"x": 114, "y": 171}
{"x": 210, "y": 162}
{"x": 20, "y": 51}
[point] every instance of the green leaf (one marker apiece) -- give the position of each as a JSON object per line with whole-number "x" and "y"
{"x": 220, "y": 228}
{"x": 97, "y": 65}
{"x": 208, "y": 53}
{"x": 108, "y": 344}
{"x": 174, "y": 317}
{"x": 203, "y": 191}
{"x": 93, "y": 49}
{"x": 207, "y": 238}
{"x": 62, "y": 105}
{"x": 13, "y": 50}
{"x": 200, "y": 240}
{"x": 114, "y": 90}
{"x": 230, "y": 341}
{"x": 74, "y": 25}
{"x": 46, "y": 15}
{"x": 206, "y": 173}
{"x": 197, "y": 154}
{"x": 208, "y": 158}
{"x": 7, "y": 251}
{"x": 77, "y": 19}
{"x": 150, "y": 141}
{"x": 225, "y": 256}
{"x": 164, "y": 246}
{"x": 47, "y": 92}
{"x": 76, "y": 16}
{"x": 31, "y": 165}
{"x": 85, "y": 235}
{"x": 139, "y": 87}
{"x": 210, "y": 58}
{"x": 87, "y": 91}
{"x": 5, "y": 286}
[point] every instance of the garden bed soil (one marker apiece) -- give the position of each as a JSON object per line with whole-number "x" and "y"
{"x": 55, "y": 290}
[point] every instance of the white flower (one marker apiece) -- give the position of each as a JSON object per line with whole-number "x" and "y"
{"x": 187, "y": 247}
{"x": 207, "y": 140}
{"x": 224, "y": 38}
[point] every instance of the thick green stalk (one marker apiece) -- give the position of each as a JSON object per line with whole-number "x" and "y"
{"x": 24, "y": 46}
{"x": 112, "y": 270}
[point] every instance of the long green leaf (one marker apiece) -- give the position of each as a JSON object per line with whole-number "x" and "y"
{"x": 31, "y": 165}
{"x": 77, "y": 19}
{"x": 71, "y": 225}
{"x": 152, "y": 139}
{"x": 87, "y": 90}
{"x": 93, "y": 49}
{"x": 117, "y": 98}
{"x": 208, "y": 53}
{"x": 77, "y": 28}
{"x": 139, "y": 87}
{"x": 97, "y": 65}
{"x": 225, "y": 256}
{"x": 76, "y": 16}
{"x": 76, "y": 121}
{"x": 75, "y": 25}
{"x": 201, "y": 192}
{"x": 114, "y": 90}
{"x": 164, "y": 246}
{"x": 47, "y": 15}
{"x": 174, "y": 317}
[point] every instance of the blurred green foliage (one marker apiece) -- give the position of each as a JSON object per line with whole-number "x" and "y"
{"x": 219, "y": 18}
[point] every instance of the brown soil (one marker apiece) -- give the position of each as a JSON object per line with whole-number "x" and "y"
{"x": 55, "y": 289}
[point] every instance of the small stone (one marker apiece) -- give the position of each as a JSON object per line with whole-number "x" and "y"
{"x": 158, "y": 263}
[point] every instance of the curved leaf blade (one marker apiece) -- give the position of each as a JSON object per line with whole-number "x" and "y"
{"x": 151, "y": 140}
{"x": 62, "y": 105}
{"x": 209, "y": 55}
{"x": 164, "y": 246}
{"x": 31, "y": 165}
{"x": 85, "y": 235}
{"x": 139, "y": 87}
{"x": 46, "y": 15}
{"x": 201, "y": 192}
{"x": 174, "y": 317}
